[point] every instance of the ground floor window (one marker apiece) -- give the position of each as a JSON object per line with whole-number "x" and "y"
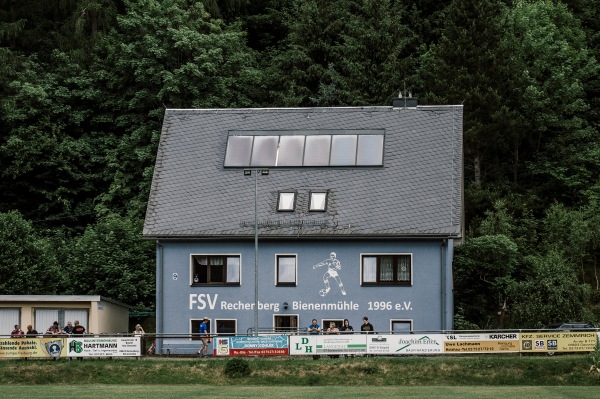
{"x": 285, "y": 323}
{"x": 8, "y": 318}
{"x": 226, "y": 326}
{"x": 44, "y": 318}
{"x": 400, "y": 326}
{"x": 195, "y": 328}
{"x": 327, "y": 322}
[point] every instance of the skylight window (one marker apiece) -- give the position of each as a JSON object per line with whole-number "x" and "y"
{"x": 306, "y": 148}
{"x": 286, "y": 201}
{"x": 318, "y": 202}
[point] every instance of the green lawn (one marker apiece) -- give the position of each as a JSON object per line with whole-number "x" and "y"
{"x": 208, "y": 391}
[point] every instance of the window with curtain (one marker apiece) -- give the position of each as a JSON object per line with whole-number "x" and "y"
{"x": 392, "y": 269}
{"x": 215, "y": 270}
{"x": 286, "y": 270}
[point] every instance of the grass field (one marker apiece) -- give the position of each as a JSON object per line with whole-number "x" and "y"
{"x": 489, "y": 376}
{"x": 208, "y": 392}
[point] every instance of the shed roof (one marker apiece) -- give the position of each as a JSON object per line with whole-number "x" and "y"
{"x": 416, "y": 192}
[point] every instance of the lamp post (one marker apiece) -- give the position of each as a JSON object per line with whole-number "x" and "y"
{"x": 248, "y": 172}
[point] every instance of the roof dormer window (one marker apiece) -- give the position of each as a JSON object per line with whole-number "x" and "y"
{"x": 286, "y": 202}
{"x": 318, "y": 201}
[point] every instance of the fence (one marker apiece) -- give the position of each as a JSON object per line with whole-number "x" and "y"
{"x": 297, "y": 343}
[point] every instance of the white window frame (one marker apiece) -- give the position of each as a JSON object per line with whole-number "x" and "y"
{"x": 276, "y": 276}
{"x": 409, "y": 321}
{"x": 281, "y": 201}
{"x": 225, "y": 283}
{"x": 192, "y": 332}
{"x": 298, "y": 328}
{"x": 312, "y": 208}
{"x": 217, "y": 332}
{"x": 385, "y": 284}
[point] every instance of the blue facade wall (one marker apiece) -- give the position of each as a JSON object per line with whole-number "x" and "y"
{"x": 427, "y": 303}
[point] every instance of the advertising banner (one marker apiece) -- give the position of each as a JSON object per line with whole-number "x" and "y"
{"x": 342, "y": 344}
{"x": 481, "y": 343}
{"x": 104, "y": 346}
{"x": 32, "y": 347}
{"x": 262, "y": 345}
{"x": 558, "y": 342}
{"x": 405, "y": 344}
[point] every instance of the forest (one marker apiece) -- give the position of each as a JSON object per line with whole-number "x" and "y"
{"x": 84, "y": 85}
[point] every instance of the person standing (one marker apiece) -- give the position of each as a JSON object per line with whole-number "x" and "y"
{"x": 17, "y": 332}
{"x": 314, "y": 329}
{"x": 346, "y": 327}
{"x": 204, "y": 337}
{"x": 366, "y": 328}
{"x": 138, "y": 330}
{"x": 78, "y": 329}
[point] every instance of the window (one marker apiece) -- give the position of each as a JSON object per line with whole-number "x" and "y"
{"x": 8, "y": 318}
{"x": 305, "y": 148}
{"x": 286, "y": 270}
{"x": 226, "y": 326}
{"x": 326, "y": 323}
{"x": 387, "y": 270}
{"x": 195, "y": 328}
{"x": 318, "y": 202}
{"x": 401, "y": 326}
{"x": 286, "y": 323}
{"x": 215, "y": 270}
{"x": 286, "y": 201}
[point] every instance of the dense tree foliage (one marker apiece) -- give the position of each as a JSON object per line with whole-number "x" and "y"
{"x": 84, "y": 85}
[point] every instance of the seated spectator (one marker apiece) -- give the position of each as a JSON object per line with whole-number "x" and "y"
{"x": 31, "y": 332}
{"x": 138, "y": 330}
{"x": 17, "y": 332}
{"x": 55, "y": 329}
{"x": 78, "y": 329}
{"x": 68, "y": 328}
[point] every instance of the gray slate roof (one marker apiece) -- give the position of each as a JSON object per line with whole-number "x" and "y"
{"x": 417, "y": 192}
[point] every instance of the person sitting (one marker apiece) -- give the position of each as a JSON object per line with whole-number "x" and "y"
{"x": 68, "y": 328}
{"x": 78, "y": 329}
{"x": 17, "y": 332}
{"x": 31, "y": 332}
{"x": 55, "y": 329}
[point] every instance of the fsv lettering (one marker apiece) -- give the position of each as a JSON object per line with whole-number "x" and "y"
{"x": 200, "y": 301}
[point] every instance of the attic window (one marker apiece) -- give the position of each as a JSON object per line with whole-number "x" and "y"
{"x": 318, "y": 201}
{"x": 286, "y": 201}
{"x": 305, "y": 148}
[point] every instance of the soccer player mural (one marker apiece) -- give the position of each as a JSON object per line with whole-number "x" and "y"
{"x": 333, "y": 265}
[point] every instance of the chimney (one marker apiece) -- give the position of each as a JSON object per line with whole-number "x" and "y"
{"x": 404, "y": 101}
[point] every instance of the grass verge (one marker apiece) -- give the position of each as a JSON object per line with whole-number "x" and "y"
{"x": 497, "y": 370}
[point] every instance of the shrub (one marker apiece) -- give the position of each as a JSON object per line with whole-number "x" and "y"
{"x": 237, "y": 367}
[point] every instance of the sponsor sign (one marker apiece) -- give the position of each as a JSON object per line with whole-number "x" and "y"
{"x": 262, "y": 345}
{"x": 104, "y": 347}
{"x": 558, "y": 341}
{"x": 399, "y": 344}
{"x": 343, "y": 344}
{"x": 32, "y": 347}
{"x": 481, "y": 343}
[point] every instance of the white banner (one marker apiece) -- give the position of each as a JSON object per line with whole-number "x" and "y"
{"x": 104, "y": 346}
{"x": 402, "y": 344}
